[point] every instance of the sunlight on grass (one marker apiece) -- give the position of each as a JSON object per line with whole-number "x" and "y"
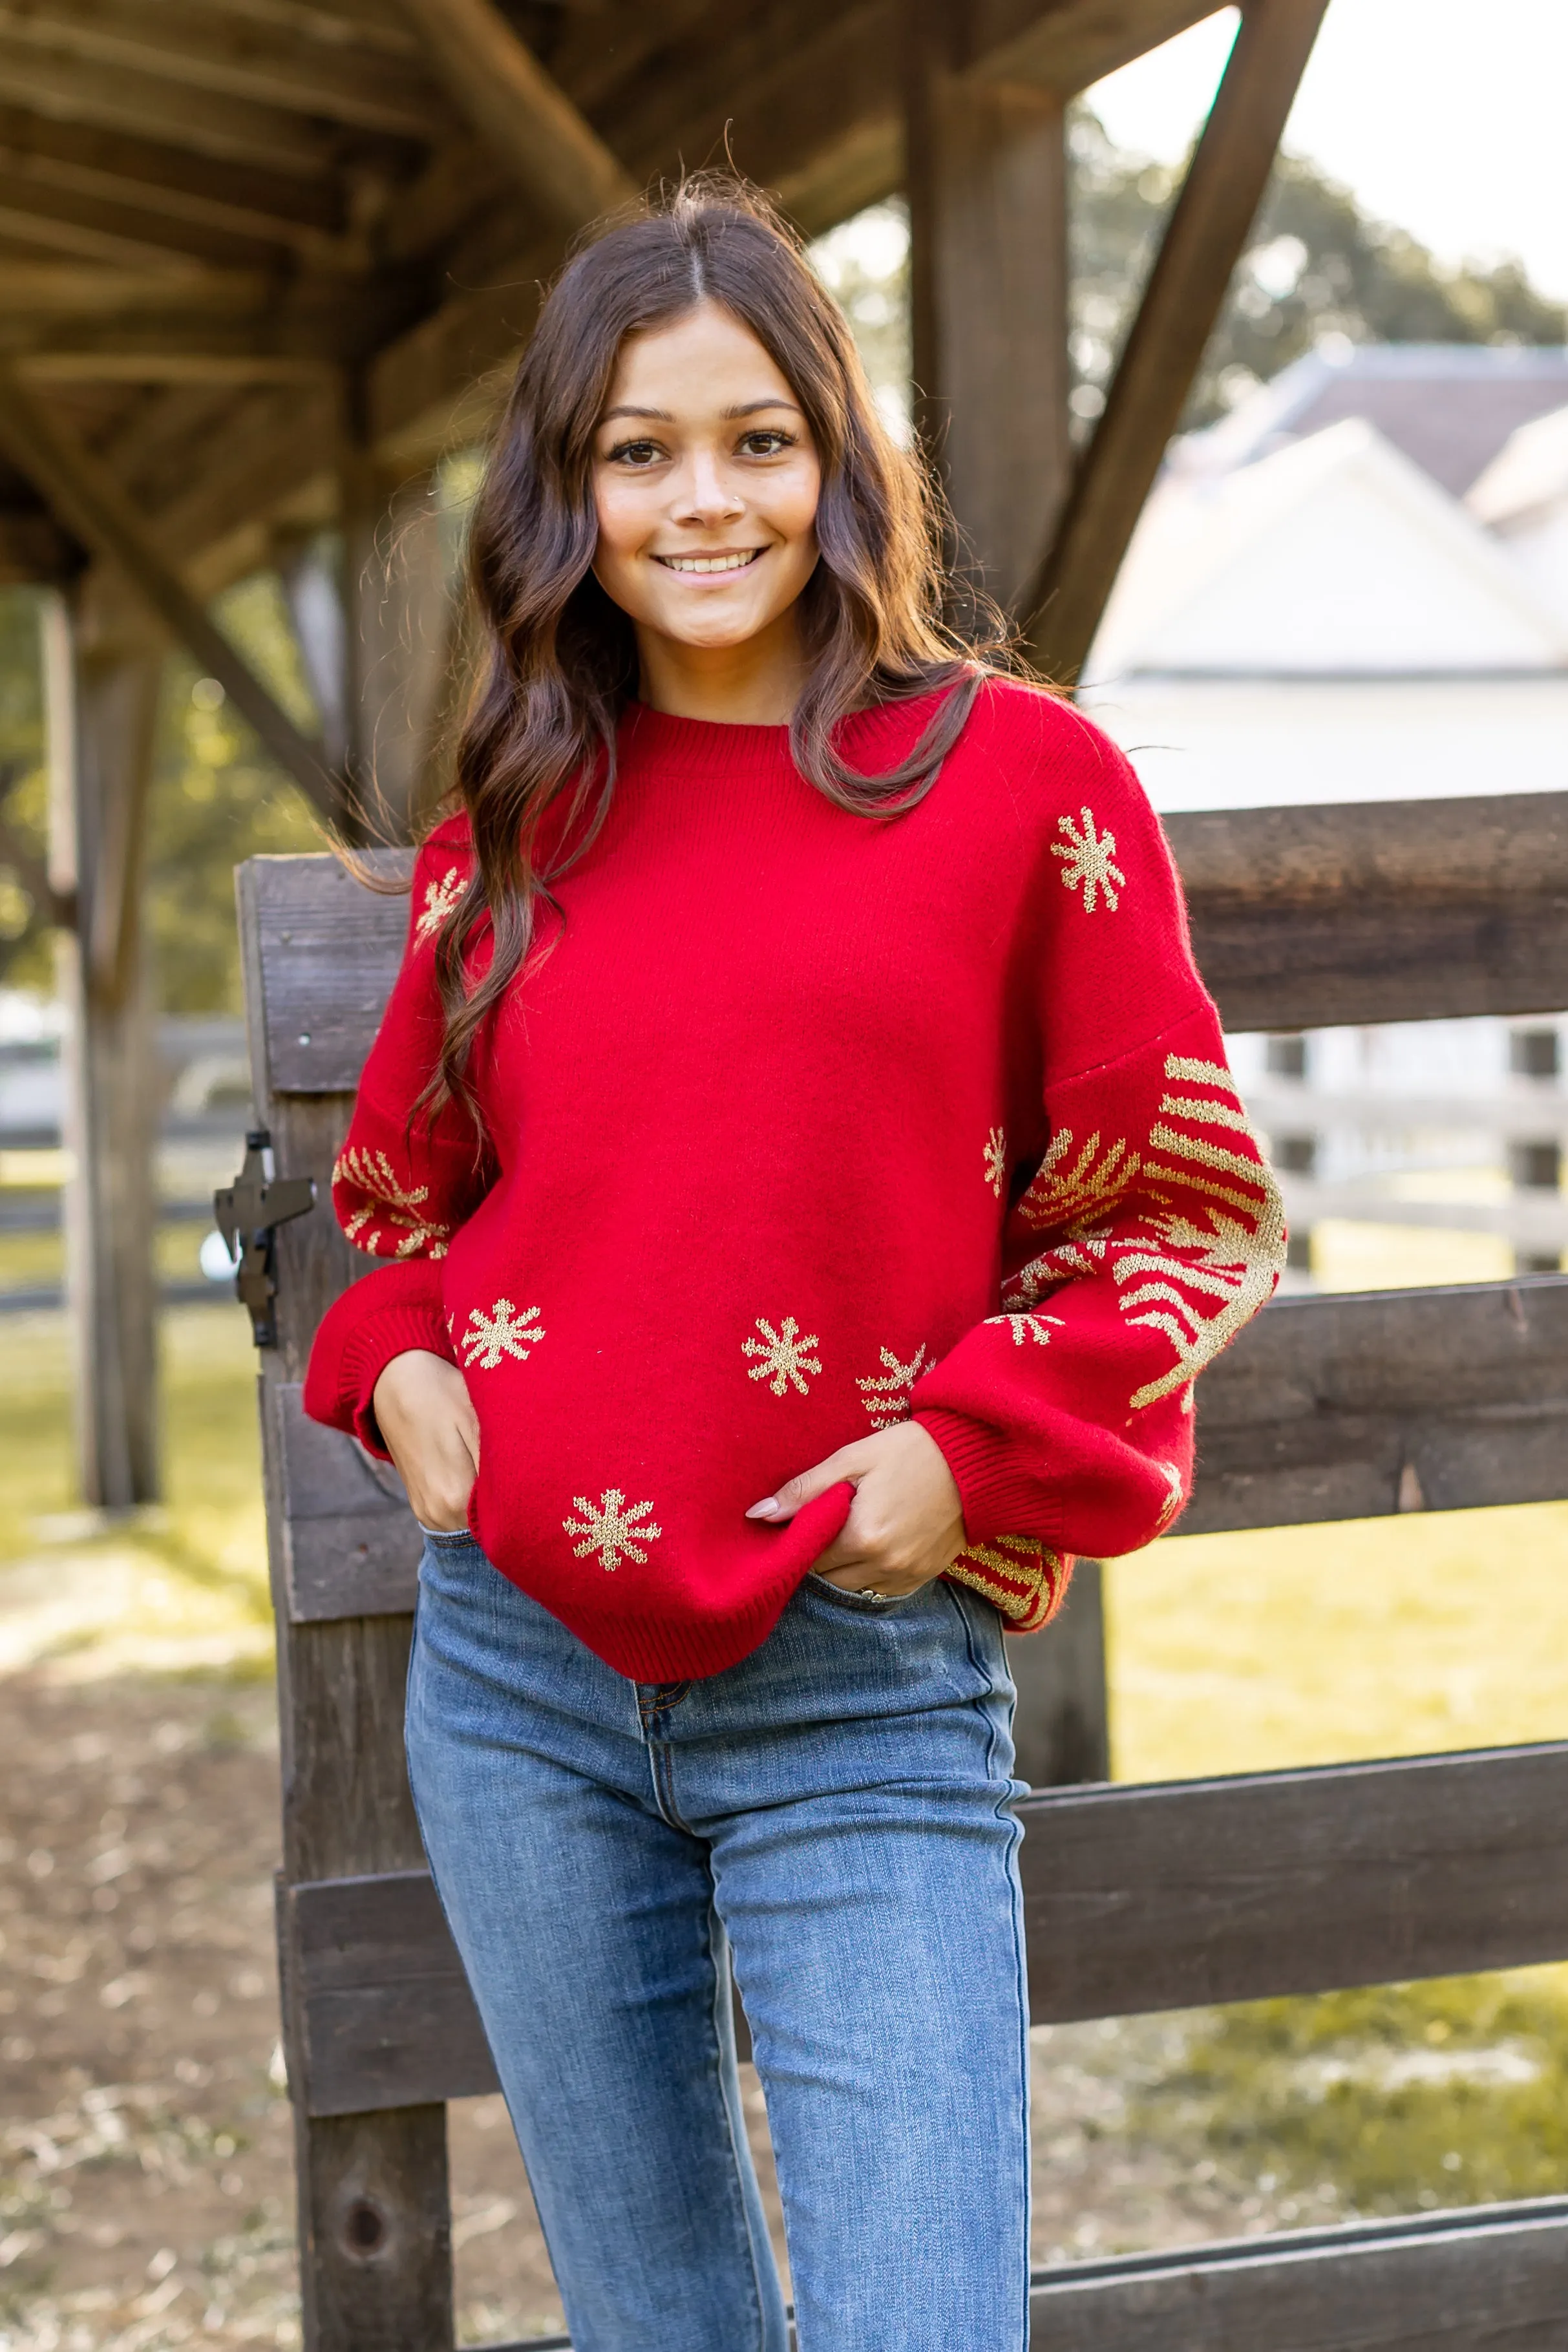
{"x": 1311, "y": 1645}
{"x": 180, "y": 1585}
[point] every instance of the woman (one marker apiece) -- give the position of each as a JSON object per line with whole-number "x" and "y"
{"x": 814, "y": 1183}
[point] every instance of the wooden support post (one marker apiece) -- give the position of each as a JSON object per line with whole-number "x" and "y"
{"x": 988, "y": 268}
{"x": 1062, "y": 1728}
{"x": 1206, "y": 235}
{"x": 987, "y": 194}
{"x": 101, "y": 672}
{"x": 375, "y": 2254}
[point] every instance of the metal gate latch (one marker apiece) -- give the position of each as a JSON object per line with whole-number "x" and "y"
{"x": 249, "y": 1213}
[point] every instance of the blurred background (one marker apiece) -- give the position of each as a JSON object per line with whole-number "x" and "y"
{"x": 1350, "y": 583}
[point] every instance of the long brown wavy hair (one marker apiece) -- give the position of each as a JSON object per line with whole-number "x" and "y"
{"x": 559, "y": 659}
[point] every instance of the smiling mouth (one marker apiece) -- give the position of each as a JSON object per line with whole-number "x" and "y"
{"x": 735, "y": 561}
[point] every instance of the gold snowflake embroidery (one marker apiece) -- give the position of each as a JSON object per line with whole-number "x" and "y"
{"x": 387, "y": 1197}
{"x": 1074, "y": 1191}
{"x": 1088, "y": 860}
{"x": 1203, "y": 1249}
{"x": 785, "y": 1355}
{"x": 502, "y": 1332}
{"x": 440, "y": 897}
{"x": 886, "y": 1397}
{"x": 1231, "y": 1262}
{"x": 996, "y": 1160}
{"x": 1177, "y": 1496}
{"x": 612, "y": 1529}
{"x": 1028, "y": 1326}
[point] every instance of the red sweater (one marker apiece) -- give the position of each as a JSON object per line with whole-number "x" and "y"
{"x": 802, "y": 1121}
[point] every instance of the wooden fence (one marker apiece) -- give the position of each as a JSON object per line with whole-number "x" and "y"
{"x": 1138, "y": 1898}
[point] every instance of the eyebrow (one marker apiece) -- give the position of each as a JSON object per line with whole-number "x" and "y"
{"x": 663, "y": 416}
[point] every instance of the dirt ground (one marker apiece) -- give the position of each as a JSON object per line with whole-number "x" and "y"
{"x": 145, "y": 2164}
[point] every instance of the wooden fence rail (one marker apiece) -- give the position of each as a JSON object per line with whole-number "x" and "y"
{"x": 1302, "y": 918}
{"x": 1493, "y": 2277}
{"x": 1171, "y": 1895}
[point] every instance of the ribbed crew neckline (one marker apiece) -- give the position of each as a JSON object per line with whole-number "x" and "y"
{"x": 714, "y": 746}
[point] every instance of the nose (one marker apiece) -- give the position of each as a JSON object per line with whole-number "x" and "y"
{"x": 707, "y": 492}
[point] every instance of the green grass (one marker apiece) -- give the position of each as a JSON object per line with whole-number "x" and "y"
{"x": 188, "y": 1579}
{"x": 1390, "y": 2100}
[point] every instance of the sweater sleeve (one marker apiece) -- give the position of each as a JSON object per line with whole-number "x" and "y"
{"x": 404, "y": 1181}
{"x": 1137, "y": 1244}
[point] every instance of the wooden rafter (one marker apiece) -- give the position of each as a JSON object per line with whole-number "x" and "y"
{"x": 556, "y": 156}
{"x": 1208, "y": 229}
{"x": 196, "y": 48}
{"x": 160, "y": 363}
{"x": 134, "y": 180}
{"x": 89, "y": 502}
{"x": 115, "y": 98}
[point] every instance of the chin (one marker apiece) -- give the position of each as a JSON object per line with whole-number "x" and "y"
{"x": 721, "y": 630}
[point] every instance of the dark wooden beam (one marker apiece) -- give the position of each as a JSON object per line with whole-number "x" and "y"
{"x": 1136, "y": 1898}
{"x": 558, "y": 160}
{"x": 45, "y": 290}
{"x": 234, "y": 370}
{"x": 127, "y": 174}
{"x": 1067, "y": 44}
{"x": 1392, "y": 910}
{"x": 1207, "y": 231}
{"x": 114, "y": 98}
{"x": 345, "y": 79}
{"x": 988, "y": 262}
{"x": 1359, "y": 1405}
{"x": 1471, "y": 2281}
{"x": 90, "y": 503}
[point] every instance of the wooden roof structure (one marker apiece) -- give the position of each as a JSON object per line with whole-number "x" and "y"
{"x": 245, "y": 244}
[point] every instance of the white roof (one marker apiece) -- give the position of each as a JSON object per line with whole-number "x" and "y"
{"x": 1335, "y": 556}
{"x": 1529, "y": 473}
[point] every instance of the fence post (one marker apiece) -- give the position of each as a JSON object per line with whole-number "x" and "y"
{"x": 375, "y": 2253}
{"x": 1062, "y": 1728}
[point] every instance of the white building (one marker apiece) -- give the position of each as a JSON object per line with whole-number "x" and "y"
{"x": 1357, "y": 588}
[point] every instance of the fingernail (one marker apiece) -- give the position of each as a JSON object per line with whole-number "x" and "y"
{"x": 766, "y": 1509}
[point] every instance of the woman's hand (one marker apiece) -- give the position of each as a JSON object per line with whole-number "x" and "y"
{"x": 431, "y": 1431}
{"x": 906, "y": 1523}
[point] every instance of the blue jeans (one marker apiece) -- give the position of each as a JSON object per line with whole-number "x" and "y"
{"x": 834, "y": 1812}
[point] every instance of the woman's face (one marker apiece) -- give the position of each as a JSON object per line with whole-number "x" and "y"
{"x": 705, "y": 481}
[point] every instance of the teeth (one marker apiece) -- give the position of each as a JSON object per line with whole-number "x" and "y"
{"x": 710, "y": 563}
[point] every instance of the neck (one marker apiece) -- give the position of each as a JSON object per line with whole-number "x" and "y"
{"x": 756, "y": 684}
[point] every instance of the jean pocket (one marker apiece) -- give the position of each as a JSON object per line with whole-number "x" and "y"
{"x": 859, "y": 1604}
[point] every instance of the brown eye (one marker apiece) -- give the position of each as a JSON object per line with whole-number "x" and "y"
{"x": 634, "y": 453}
{"x": 767, "y": 442}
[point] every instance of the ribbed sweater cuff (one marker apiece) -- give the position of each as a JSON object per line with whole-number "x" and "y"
{"x": 365, "y": 1347}
{"x": 999, "y": 1498}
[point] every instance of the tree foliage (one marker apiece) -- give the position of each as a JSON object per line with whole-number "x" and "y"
{"x": 1316, "y": 265}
